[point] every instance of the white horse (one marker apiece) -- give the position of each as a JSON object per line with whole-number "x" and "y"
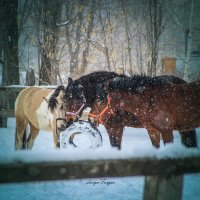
{"x": 42, "y": 109}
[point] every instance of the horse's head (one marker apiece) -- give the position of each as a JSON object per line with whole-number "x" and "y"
{"x": 74, "y": 99}
{"x": 101, "y": 110}
{"x": 102, "y": 91}
{"x": 57, "y": 109}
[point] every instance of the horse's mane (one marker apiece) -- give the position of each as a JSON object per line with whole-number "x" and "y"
{"x": 90, "y": 82}
{"x": 97, "y": 77}
{"x": 52, "y": 100}
{"x": 137, "y": 83}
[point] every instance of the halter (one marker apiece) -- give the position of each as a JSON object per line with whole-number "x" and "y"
{"x": 106, "y": 109}
{"x": 77, "y": 114}
{"x": 57, "y": 119}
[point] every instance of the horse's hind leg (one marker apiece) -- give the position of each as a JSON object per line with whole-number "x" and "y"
{"x": 21, "y": 124}
{"x": 115, "y": 136}
{"x": 154, "y": 137}
{"x": 32, "y": 136}
{"x": 114, "y": 127}
{"x": 189, "y": 138}
{"x": 167, "y": 136}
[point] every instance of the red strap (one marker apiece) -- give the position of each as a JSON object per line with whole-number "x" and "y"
{"x": 99, "y": 116}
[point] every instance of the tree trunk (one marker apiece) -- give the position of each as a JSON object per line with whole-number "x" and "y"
{"x": 89, "y": 31}
{"x": 154, "y": 30}
{"x": 30, "y": 77}
{"x": 128, "y": 37}
{"x": 48, "y": 69}
{"x": 106, "y": 49}
{"x": 187, "y": 75}
{"x": 74, "y": 46}
{"x": 9, "y": 25}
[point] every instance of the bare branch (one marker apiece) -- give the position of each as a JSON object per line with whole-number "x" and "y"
{"x": 67, "y": 23}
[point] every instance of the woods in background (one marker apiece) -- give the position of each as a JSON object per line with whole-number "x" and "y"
{"x": 60, "y": 38}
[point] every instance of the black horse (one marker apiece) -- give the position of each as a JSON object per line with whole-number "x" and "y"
{"x": 81, "y": 93}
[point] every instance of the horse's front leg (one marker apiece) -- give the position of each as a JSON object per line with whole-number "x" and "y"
{"x": 32, "y": 136}
{"x": 115, "y": 135}
{"x": 166, "y": 132}
{"x": 115, "y": 131}
{"x": 164, "y": 123}
{"x": 20, "y": 135}
{"x": 189, "y": 138}
{"x": 154, "y": 136}
{"x": 167, "y": 136}
{"x": 56, "y": 139}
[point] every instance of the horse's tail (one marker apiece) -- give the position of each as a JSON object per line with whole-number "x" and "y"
{"x": 24, "y": 139}
{"x": 21, "y": 123}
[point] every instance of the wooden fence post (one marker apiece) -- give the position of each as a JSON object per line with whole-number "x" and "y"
{"x": 3, "y": 122}
{"x": 8, "y": 96}
{"x": 163, "y": 188}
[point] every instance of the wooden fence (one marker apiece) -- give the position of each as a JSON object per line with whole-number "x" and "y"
{"x": 163, "y": 177}
{"x": 8, "y": 95}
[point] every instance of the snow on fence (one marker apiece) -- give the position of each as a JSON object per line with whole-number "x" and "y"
{"x": 163, "y": 175}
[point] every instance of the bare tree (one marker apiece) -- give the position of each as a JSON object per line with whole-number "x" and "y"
{"x": 104, "y": 35}
{"x": 154, "y": 25}
{"x": 9, "y": 41}
{"x": 48, "y": 69}
{"x": 127, "y": 34}
{"x": 187, "y": 75}
{"x": 88, "y": 35}
{"x": 73, "y": 34}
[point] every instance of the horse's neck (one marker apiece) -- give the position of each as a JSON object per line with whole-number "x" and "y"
{"x": 122, "y": 98}
{"x": 90, "y": 94}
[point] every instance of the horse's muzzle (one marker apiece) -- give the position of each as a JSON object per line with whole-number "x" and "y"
{"x": 69, "y": 123}
{"x": 62, "y": 127}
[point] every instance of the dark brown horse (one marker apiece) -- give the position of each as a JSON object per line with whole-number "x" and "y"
{"x": 82, "y": 92}
{"x": 160, "y": 107}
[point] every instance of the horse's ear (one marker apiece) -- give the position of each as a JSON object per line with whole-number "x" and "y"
{"x": 70, "y": 80}
{"x": 106, "y": 86}
{"x": 47, "y": 100}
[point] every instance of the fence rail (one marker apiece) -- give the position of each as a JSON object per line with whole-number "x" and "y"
{"x": 51, "y": 170}
{"x": 160, "y": 174}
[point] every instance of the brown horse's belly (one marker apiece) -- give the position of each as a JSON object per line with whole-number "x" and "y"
{"x": 188, "y": 122}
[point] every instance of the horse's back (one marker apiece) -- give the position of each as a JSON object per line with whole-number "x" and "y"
{"x": 30, "y": 95}
{"x": 28, "y": 102}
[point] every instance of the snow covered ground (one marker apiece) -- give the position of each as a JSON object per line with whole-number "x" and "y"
{"x": 96, "y": 189}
